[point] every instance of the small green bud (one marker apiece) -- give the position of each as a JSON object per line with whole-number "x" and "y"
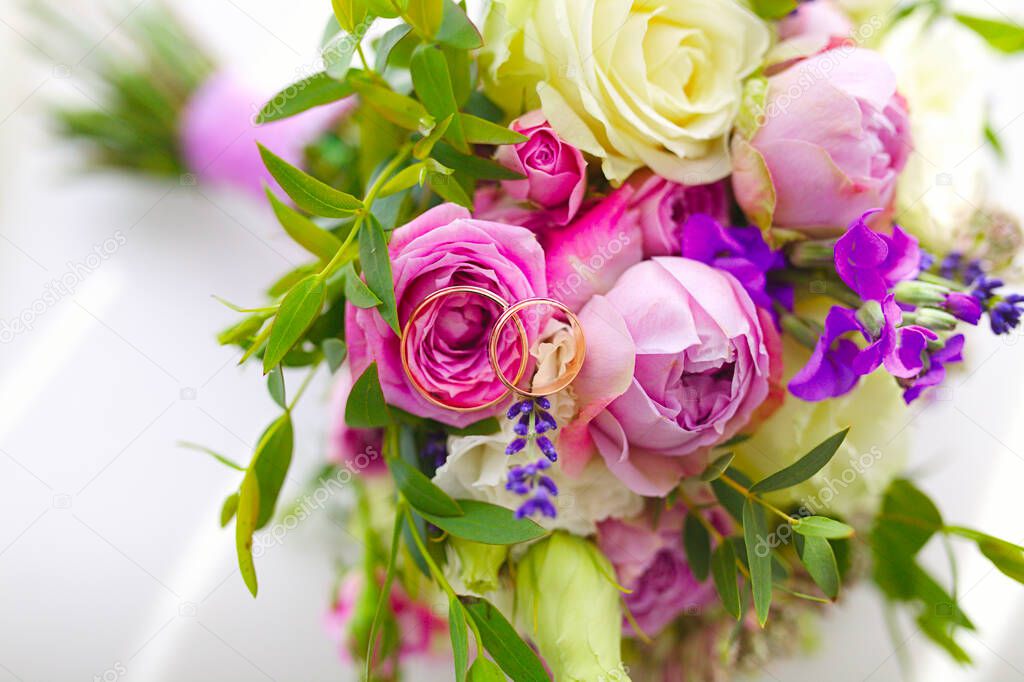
{"x": 870, "y": 315}
{"x": 921, "y": 293}
{"x": 478, "y": 563}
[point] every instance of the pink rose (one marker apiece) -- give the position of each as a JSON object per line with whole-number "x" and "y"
{"x": 443, "y": 247}
{"x": 359, "y": 450}
{"x": 650, "y": 561}
{"x": 419, "y": 628}
{"x": 821, "y": 20}
{"x": 556, "y": 173}
{"x": 834, "y": 140}
{"x": 587, "y": 257}
{"x": 218, "y": 136}
{"x": 678, "y": 359}
{"x": 663, "y": 207}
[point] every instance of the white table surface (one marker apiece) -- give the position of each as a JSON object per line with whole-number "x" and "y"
{"x": 111, "y": 561}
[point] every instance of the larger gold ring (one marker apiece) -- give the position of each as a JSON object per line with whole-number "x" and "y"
{"x": 574, "y": 367}
{"x": 489, "y": 295}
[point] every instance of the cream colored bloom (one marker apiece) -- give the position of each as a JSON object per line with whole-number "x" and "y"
{"x": 477, "y": 466}
{"x": 633, "y": 82}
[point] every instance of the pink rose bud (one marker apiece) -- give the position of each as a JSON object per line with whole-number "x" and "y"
{"x": 556, "y": 173}
{"x": 834, "y": 139}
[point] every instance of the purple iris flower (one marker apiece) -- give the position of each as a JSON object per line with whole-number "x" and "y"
{"x": 740, "y": 251}
{"x": 952, "y": 351}
{"x": 872, "y": 263}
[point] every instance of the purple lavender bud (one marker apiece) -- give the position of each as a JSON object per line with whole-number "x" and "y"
{"x": 515, "y": 410}
{"x": 548, "y": 485}
{"x": 515, "y": 446}
{"x": 963, "y": 306}
{"x": 544, "y": 505}
{"x": 1005, "y": 315}
{"x": 950, "y": 267}
{"x": 548, "y": 448}
{"x": 927, "y": 259}
{"x": 526, "y": 407}
{"x": 985, "y": 287}
{"x": 543, "y": 403}
{"x": 522, "y": 427}
{"x": 973, "y": 272}
{"x": 545, "y": 422}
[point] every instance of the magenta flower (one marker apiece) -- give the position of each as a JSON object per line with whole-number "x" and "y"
{"x": 663, "y": 207}
{"x": 935, "y": 373}
{"x": 834, "y": 140}
{"x": 556, "y": 173}
{"x": 872, "y": 263}
{"x": 963, "y": 307}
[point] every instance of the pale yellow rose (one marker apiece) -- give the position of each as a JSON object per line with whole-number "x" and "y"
{"x": 636, "y": 83}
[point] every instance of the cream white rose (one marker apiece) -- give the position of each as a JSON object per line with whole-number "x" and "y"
{"x": 635, "y": 83}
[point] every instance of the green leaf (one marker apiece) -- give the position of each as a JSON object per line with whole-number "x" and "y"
{"x": 773, "y": 9}
{"x": 820, "y": 561}
{"x": 335, "y": 351}
{"x": 270, "y": 464}
{"x": 503, "y": 643}
{"x": 457, "y": 30}
{"x": 823, "y": 527}
{"x": 366, "y": 408}
{"x": 404, "y": 112}
{"x": 426, "y": 16}
{"x": 337, "y": 54}
{"x": 387, "y": 43}
{"x": 349, "y": 13}
{"x": 994, "y": 141}
{"x": 275, "y": 386}
{"x": 484, "y": 427}
{"x": 387, "y": 9}
{"x": 728, "y": 497}
{"x": 425, "y": 145}
{"x": 315, "y": 91}
{"x": 433, "y": 85}
{"x": 356, "y": 291}
{"x": 485, "y": 670}
{"x": 476, "y": 167}
{"x": 717, "y": 467}
{"x": 723, "y": 570}
{"x": 228, "y": 509}
{"x": 245, "y": 525}
{"x": 487, "y": 523}
{"x": 908, "y": 518}
{"x": 373, "y": 255}
{"x": 1008, "y": 558}
{"x": 1001, "y": 35}
{"x": 697, "y": 544}
{"x": 304, "y": 231}
{"x": 385, "y": 591}
{"x": 449, "y": 189}
{"x": 804, "y": 468}
{"x": 420, "y": 491}
{"x": 409, "y": 176}
{"x": 937, "y": 628}
{"x": 759, "y": 558}
{"x": 482, "y": 131}
{"x": 306, "y": 191}
{"x": 460, "y": 637}
{"x": 217, "y": 456}
{"x": 299, "y": 308}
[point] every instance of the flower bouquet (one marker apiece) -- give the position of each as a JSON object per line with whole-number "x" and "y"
{"x": 605, "y": 288}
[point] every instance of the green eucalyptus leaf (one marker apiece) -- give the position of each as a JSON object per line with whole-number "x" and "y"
{"x": 759, "y": 558}
{"x": 823, "y": 527}
{"x": 356, "y": 291}
{"x": 457, "y": 30}
{"x": 275, "y": 386}
{"x": 314, "y": 91}
{"x": 503, "y": 643}
{"x": 270, "y": 464}
{"x": 387, "y": 43}
{"x": 376, "y": 263}
{"x": 730, "y": 499}
{"x": 485, "y": 670}
{"x": 304, "y": 231}
{"x": 366, "y": 408}
{"x": 820, "y": 561}
{"x": 335, "y": 351}
{"x": 433, "y": 85}
{"x": 228, "y": 509}
{"x": 420, "y": 491}
{"x": 306, "y": 191}
{"x": 299, "y": 308}
{"x": 1002, "y": 35}
{"x": 482, "y": 131}
{"x": 723, "y": 570}
{"x": 246, "y": 515}
{"x": 403, "y": 111}
{"x": 804, "y": 468}
{"x": 487, "y": 523}
{"x": 697, "y": 543}
{"x": 717, "y": 467}
{"x": 460, "y": 637}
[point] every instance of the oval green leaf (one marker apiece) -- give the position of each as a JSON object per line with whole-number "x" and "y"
{"x": 366, "y": 408}
{"x": 460, "y": 637}
{"x": 723, "y": 570}
{"x": 503, "y": 643}
{"x": 820, "y": 561}
{"x": 306, "y": 191}
{"x": 759, "y": 558}
{"x": 304, "y": 231}
{"x": 804, "y": 468}
{"x": 487, "y": 523}
{"x": 420, "y": 491}
{"x": 300, "y": 307}
{"x": 697, "y": 544}
{"x": 376, "y": 262}
{"x": 823, "y": 527}
{"x": 315, "y": 91}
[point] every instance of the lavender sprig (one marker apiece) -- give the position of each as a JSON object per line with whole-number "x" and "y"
{"x": 532, "y": 421}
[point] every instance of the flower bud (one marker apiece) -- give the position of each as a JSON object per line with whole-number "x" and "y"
{"x": 921, "y": 293}
{"x": 932, "y": 318}
{"x": 870, "y": 315}
{"x": 566, "y": 602}
{"x": 813, "y": 253}
{"x": 963, "y": 307}
{"x": 478, "y": 564}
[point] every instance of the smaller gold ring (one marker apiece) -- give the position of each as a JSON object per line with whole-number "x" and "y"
{"x": 419, "y": 310}
{"x": 575, "y": 365}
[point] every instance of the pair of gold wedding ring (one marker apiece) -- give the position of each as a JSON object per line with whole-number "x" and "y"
{"x": 510, "y": 313}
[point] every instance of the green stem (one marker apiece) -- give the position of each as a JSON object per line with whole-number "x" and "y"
{"x": 753, "y": 497}
{"x": 302, "y": 387}
{"x": 941, "y": 281}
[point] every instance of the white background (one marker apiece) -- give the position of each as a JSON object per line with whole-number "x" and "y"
{"x": 111, "y": 561}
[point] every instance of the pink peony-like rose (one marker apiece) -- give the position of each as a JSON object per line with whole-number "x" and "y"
{"x": 834, "y": 139}
{"x": 663, "y": 207}
{"x": 218, "y": 136}
{"x": 587, "y": 257}
{"x": 448, "y": 343}
{"x": 678, "y": 359}
{"x": 419, "y": 628}
{"x": 357, "y": 449}
{"x": 556, "y": 173}
{"x": 820, "y": 20}
{"x": 650, "y": 561}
